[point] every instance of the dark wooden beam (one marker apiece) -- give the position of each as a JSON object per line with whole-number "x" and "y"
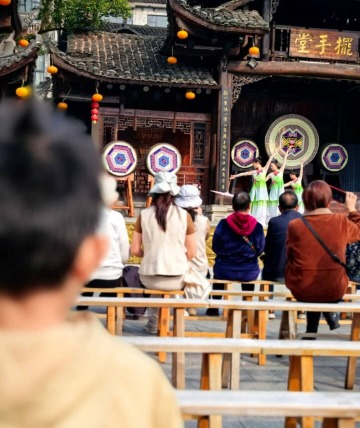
{"x": 306, "y": 69}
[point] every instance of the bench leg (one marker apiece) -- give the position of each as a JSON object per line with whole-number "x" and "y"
{"x": 164, "y": 324}
{"x": 351, "y": 364}
{"x": 110, "y": 319}
{"x": 338, "y": 423}
{"x": 231, "y": 362}
{"x": 300, "y": 378}
{"x": 178, "y": 368}
{"x": 262, "y": 335}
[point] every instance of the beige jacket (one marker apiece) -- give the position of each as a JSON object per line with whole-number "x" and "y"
{"x": 164, "y": 252}
{"x": 78, "y": 376}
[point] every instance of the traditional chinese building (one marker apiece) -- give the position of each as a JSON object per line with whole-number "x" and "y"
{"x": 16, "y": 63}
{"x": 299, "y": 87}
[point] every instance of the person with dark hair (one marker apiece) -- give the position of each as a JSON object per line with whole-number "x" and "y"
{"x": 164, "y": 236}
{"x": 274, "y": 257}
{"x": 311, "y": 274}
{"x": 238, "y": 241}
{"x": 61, "y": 368}
{"x": 276, "y": 187}
{"x": 258, "y": 193}
{"x": 296, "y": 184}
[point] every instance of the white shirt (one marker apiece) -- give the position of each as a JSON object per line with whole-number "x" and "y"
{"x": 112, "y": 224}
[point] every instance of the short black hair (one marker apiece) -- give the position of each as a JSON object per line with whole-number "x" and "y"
{"x": 258, "y": 160}
{"x": 49, "y": 195}
{"x": 241, "y": 201}
{"x": 288, "y": 200}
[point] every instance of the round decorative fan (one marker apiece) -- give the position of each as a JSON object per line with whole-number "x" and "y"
{"x": 333, "y": 157}
{"x": 244, "y": 152}
{"x": 295, "y": 133}
{"x": 119, "y": 158}
{"x": 163, "y": 157}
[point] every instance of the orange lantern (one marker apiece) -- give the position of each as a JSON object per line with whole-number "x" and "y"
{"x": 254, "y": 50}
{"x": 172, "y": 60}
{"x": 23, "y": 91}
{"x": 97, "y": 97}
{"x": 62, "y": 105}
{"x": 23, "y": 43}
{"x": 52, "y": 69}
{"x": 190, "y": 95}
{"x": 182, "y": 34}
{"x": 5, "y": 2}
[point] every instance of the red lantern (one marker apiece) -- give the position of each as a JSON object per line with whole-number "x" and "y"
{"x": 95, "y": 111}
{"x": 97, "y": 97}
{"x": 95, "y": 105}
{"x": 5, "y": 2}
{"x": 94, "y": 117}
{"x": 254, "y": 50}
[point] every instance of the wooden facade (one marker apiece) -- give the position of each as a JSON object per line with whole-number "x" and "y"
{"x": 308, "y": 65}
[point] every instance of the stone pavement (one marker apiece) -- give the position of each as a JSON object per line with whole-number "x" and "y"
{"x": 329, "y": 372}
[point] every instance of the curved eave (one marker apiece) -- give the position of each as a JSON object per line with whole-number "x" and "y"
{"x": 62, "y": 64}
{"x": 185, "y": 15}
{"x": 18, "y": 63}
{"x": 303, "y": 69}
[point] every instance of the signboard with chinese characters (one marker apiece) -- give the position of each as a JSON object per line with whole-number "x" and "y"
{"x": 225, "y": 111}
{"x": 324, "y": 44}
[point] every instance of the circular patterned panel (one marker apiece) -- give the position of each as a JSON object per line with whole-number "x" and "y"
{"x": 333, "y": 157}
{"x": 119, "y": 158}
{"x": 244, "y": 152}
{"x": 295, "y": 133}
{"x": 163, "y": 157}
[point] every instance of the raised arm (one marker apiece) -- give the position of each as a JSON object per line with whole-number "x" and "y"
{"x": 282, "y": 169}
{"x": 242, "y": 174}
{"x": 301, "y": 171}
{"x": 267, "y": 166}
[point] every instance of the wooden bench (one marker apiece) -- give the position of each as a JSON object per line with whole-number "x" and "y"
{"x": 235, "y": 308}
{"x": 336, "y": 409}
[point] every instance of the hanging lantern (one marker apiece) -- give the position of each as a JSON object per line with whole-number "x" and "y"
{"x": 95, "y": 105}
{"x": 190, "y": 95}
{"x": 182, "y": 34}
{"x": 97, "y": 97}
{"x": 94, "y": 118}
{"x": 62, "y": 105}
{"x": 52, "y": 69}
{"x": 172, "y": 60}
{"x": 254, "y": 51}
{"x": 5, "y": 2}
{"x": 95, "y": 111}
{"x": 23, "y": 91}
{"x": 23, "y": 43}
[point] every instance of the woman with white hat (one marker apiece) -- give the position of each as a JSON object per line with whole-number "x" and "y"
{"x": 164, "y": 236}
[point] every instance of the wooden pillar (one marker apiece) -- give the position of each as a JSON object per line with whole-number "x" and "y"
{"x": 266, "y": 40}
{"x": 95, "y": 134}
{"x": 224, "y": 120}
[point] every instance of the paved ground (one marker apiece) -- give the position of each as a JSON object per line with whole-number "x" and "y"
{"x": 329, "y": 372}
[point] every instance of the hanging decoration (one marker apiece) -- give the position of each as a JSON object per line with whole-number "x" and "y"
{"x": 23, "y": 91}
{"x": 52, "y": 69}
{"x": 23, "y": 43}
{"x": 254, "y": 51}
{"x": 62, "y": 105}
{"x": 190, "y": 95}
{"x": 96, "y": 98}
{"x": 182, "y": 34}
{"x": 5, "y": 2}
{"x": 172, "y": 60}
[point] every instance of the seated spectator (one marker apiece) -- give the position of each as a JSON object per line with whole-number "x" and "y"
{"x": 238, "y": 241}
{"x": 353, "y": 257}
{"x": 60, "y": 368}
{"x": 164, "y": 236}
{"x": 311, "y": 274}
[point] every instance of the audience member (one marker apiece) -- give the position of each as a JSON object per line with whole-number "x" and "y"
{"x": 238, "y": 241}
{"x": 61, "y": 368}
{"x": 311, "y": 274}
{"x": 164, "y": 236}
{"x": 353, "y": 256}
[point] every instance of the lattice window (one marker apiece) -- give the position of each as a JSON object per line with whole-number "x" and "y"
{"x": 199, "y": 143}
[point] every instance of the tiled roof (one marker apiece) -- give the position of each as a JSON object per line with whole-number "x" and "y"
{"x": 141, "y": 30}
{"x": 127, "y": 57}
{"x": 9, "y": 63}
{"x": 219, "y": 16}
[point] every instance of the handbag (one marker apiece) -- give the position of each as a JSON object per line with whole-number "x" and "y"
{"x": 333, "y": 256}
{"x": 195, "y": 285}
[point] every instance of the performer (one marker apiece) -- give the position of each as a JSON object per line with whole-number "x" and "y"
{"x": 276, "y": 187}
{"x": 296, "y": 184}
{"x": 258, "y": 193}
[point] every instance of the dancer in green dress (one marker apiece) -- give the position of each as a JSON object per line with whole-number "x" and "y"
{"x": 296, "y": 184}
{"x": 258, "y": 193}
{"x": 276, "y": 187}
